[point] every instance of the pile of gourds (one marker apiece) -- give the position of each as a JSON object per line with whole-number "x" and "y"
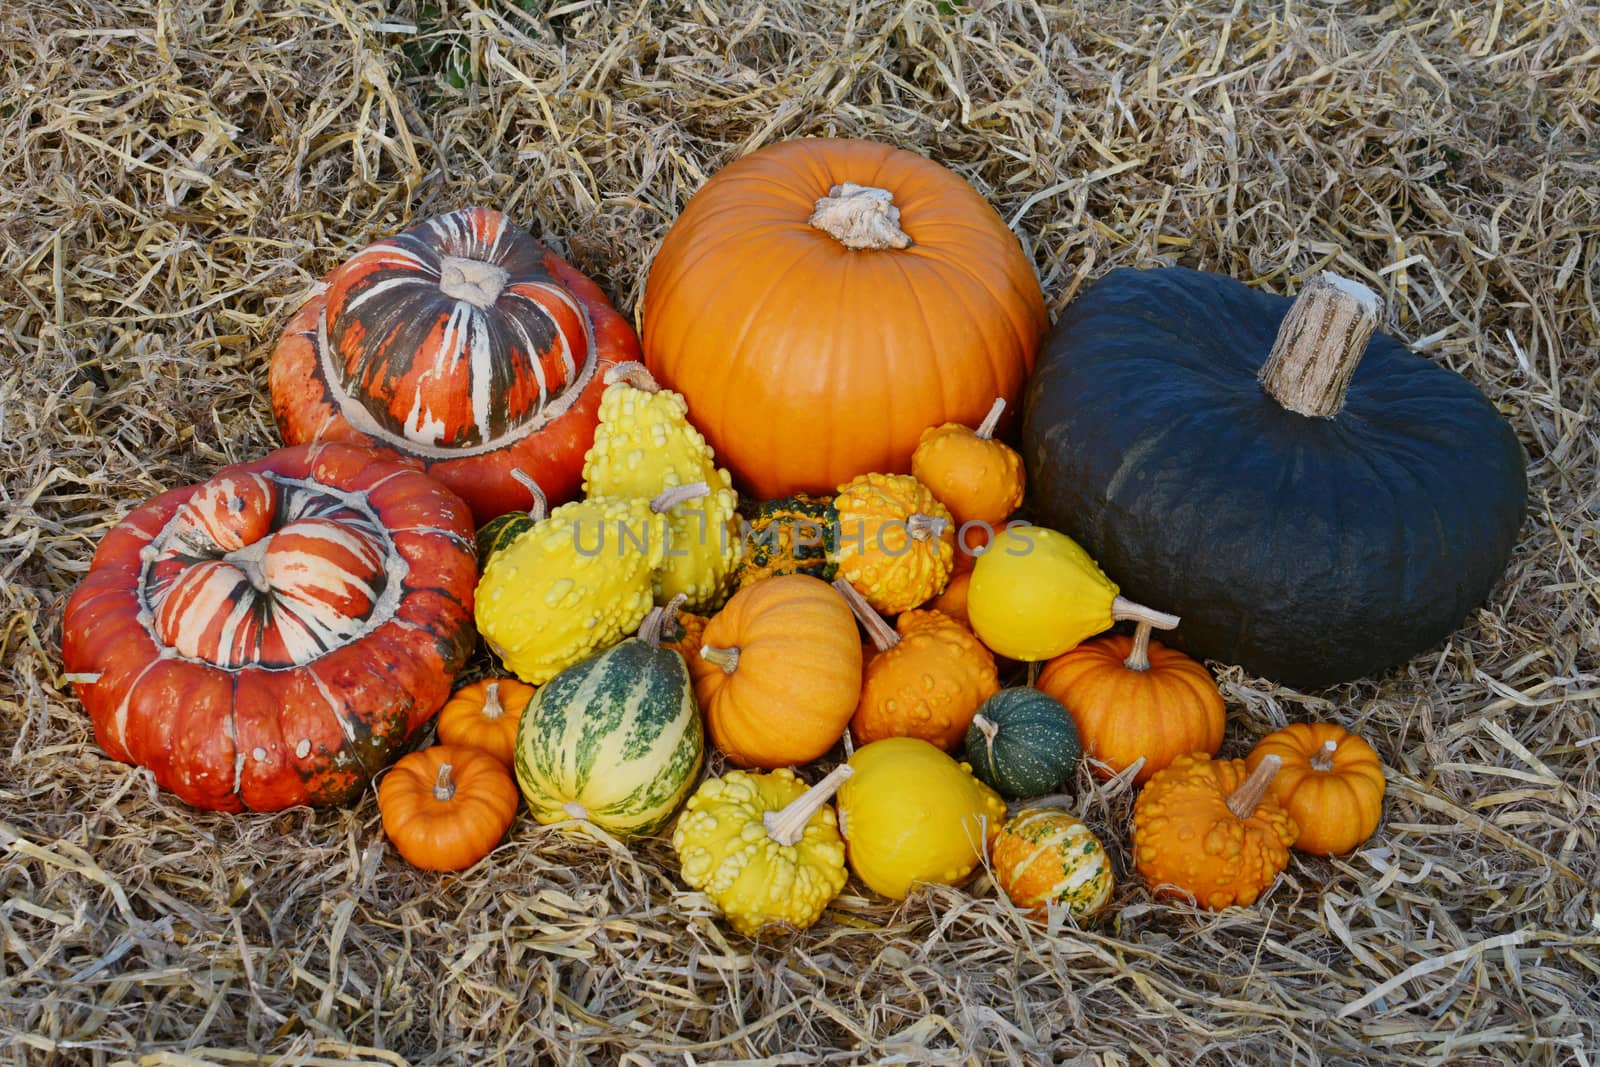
{"x": 852, "y": 354}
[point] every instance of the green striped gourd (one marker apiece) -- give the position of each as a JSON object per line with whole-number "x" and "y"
{"x": 1023, "y": 743}
{"x": 615, "y": 740}
{"x": 791, "y": 535}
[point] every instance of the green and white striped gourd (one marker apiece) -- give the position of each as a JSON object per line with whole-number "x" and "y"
{"x": 1023, "y": 743}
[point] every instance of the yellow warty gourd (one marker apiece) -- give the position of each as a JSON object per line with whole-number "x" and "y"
{"x": 574, "y": 583}
{"x": 644, "y": 444}
{"x": 912, "y": 814}
{"x": 764, "y": 847}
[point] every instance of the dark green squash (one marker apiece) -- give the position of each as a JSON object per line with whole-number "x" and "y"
{"x": 1310, "y": 548}
{"x": 791, "y": 535}
{"x": 499, "y": 532}
{"x": 1023, "y": 743}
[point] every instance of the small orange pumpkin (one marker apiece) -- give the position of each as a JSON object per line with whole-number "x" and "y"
{"x": 484, "y": 715}
{"x": 446, "y": 807}
{"x": 978, "y": 478}
{"x": 926, "y": 681}
{"x": 896, "y": 542}
{"x": 1135, "y": 698}
{"x": 1332, "y": 782}
{"x": 953, "y": 601}
{"x": 1211, "y": 829}
{"x": 781, "y": 672}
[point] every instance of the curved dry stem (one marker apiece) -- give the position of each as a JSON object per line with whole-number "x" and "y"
{"x": 635, "y": 374}
{"x": 1124, "y": 609}
{"x": 1244, "y": 800}
{"x": 726, "y": 658}
{"x": 985, "y": 428}
{"x": 540, "y": 510}
{"x": 1139, "y": 658}
{"x": 860, "y": 217}
{"x": 788, "y": 826}
{"x": 444, "y": 788}
{"x": 1322, "y": 760}
{"x": 492, "y": 708}
{"x": 668, "y": 499}
{"x": 882, "y": 635}
{"x": 654, "y": 623}
{"x": 924, "y": 527}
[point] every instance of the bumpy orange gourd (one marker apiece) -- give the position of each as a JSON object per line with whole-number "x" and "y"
{"x": 446, "y": 807}
{"x": 1133, "y": 697}
{"x": 1211, "y": 829}
{"x": 484, "y": 715}
{"x": 925, "y": 681}
{"x": 896, "y": 541}
{"x": 821, "y": 302}
{"x": 1332, "y": 782}
{"x": 978, "y": 478}
{"x": 782, "y": 674}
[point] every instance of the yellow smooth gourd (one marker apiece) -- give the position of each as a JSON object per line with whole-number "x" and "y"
{"x": 1036, "y": 593}
{"x": 764, "y": 847}
{"x": 912, "y": 814}
{"x": 645, "y": 444}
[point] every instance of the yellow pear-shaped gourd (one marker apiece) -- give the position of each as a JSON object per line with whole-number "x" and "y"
{"x": 574, "y": 583}
{"x": 1036, "y": 593}
{"x": 912, "y": 814}
{"x": 645, "y": 444}
{"x": 764, "y": 847}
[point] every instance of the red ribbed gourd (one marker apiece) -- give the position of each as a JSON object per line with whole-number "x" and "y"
{"x": 274, "y": 636}
{"x": 464, "y": 343}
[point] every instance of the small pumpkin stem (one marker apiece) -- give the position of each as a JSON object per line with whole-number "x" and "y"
{"x": 1125, "y": 609}
{"x": 492, "y": 708}
{"x": 248, "y": 559}
{"x": 654, "y": 623}
{"x": 444, "y": 789}
{"x": 922, "y": 527}
{"x": 1139, "y": 658}
{"x": 668, "y": 499}
{"x": 1244, "y": 800}
{"x": 1320, "y": 342}
{"x": 635, "y": 374}
{"x": 881, "y": 633}
{"x": 540, "y": 510}
{"x": 1323, "y": 760}
{"x": 476, "y": 281}
{"x": 860, "y": 217}
{"x": 987, "y": 727}
{"x": 726, "y": 658}
{"x": 788, "y": 826}
{"x": 990, "y": 421}
{"x": 574, "y": 810}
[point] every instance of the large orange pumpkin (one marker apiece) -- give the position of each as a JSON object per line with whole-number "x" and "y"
{"x": 820, "y": 303}
{"x": 462, "y": 342}
{"x": 276, "y": 635}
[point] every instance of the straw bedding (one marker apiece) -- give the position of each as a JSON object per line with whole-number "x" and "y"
{"x": 174, "y": 176}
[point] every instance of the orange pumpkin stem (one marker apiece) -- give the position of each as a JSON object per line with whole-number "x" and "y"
{"x": 444, "y": 789}
{"x": 1139, "y": 658}
{"x": 1319, "y": 344}
{"x": 492, "y": 708}
{"x": 986, "y": 428}
{"x": 1244, "y": 800}
{"x": 1323, "y": 760}
{"x": 788, "y": 826}
{"x": 668, "y": 499}
{"x": 654, "y": 623}
{"x": 860, "y": 217}
{"x": 635, "y": 374}
{"x": 1125, "y": 609}
{"x": 881, "y": 633}
{"x": 541, "y": 506}
{"x": 476, "y": 281}
{"x": 726, "y": 658}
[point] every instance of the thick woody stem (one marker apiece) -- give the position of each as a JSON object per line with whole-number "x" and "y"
{"x": 1244, "y": 800}
{"x": 654, "y": 623}
{"x": 1323, "y": 760}
{"x": 1139, "y": 658}
{"x": 860, "y": 217}
{"x": 990, "y": 421}
{"x": 541, "y": 506}
{"x": 881, "y": 633}
{"x": 788, "y": 826}
{"x": 668, "y": 499}
{"x": 443, "y": 788}
{"x": 923, "y": 527}
{"x": 492, "y": 708}
{"x": 477, "y": 282}
{"x": 635, "y": 374}
{"x": 1319, "y": 344}
{"x": 1125, "y": 609}
{"x": 726, "y": 658}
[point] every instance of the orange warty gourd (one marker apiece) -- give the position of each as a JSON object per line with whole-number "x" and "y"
{"x": 1134, "y": 697}
{"x": 1211, "y": 829}
{"x": 896, "y": 541}
{"x": 484, "y": 715}
{"x": 821, "y": 302}
{"x": 927, "y": 680}
{"x": 782, "y": 674}
{"x": 446, "y": 807}
{"x": 1332, "y": 782}
{"x": 978, "y": 478}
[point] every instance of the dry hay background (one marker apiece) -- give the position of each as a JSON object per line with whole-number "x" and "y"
{"x": 173, "y": 178}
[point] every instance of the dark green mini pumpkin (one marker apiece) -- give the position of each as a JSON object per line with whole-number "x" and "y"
{"x": 1023, "y": 743}
{"x": 1314, "y": 517}
{"x": 791, "y": 535}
